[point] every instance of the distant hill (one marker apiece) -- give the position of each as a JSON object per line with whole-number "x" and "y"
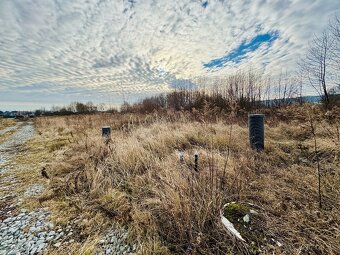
{"x": 307, "y": 99}
{"x": 312, "y": 99}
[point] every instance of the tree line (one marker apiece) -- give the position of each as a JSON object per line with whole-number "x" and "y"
{"x": 75, "y": 108}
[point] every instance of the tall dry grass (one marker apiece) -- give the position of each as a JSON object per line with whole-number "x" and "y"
{"x": 137, "y": 179}
{"x": 5, "y": 123}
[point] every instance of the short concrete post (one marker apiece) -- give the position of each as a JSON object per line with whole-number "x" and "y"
{"x": 181, "y": 156}
{"x": 256, "y": 131}
{"x": 196, "y": 161}
{"x": 106, "y": 131}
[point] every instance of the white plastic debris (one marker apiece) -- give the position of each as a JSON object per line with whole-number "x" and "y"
{"x": 253, "y": 211}
{"x": 277, "y": 242}
{"x": 230, "y": 228}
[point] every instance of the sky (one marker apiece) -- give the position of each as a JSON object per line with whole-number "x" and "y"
{"x": 54, "y": 52}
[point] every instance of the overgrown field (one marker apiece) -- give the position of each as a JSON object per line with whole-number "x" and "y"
{"x": 137, "y": 180}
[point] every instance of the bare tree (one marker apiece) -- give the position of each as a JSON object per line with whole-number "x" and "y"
{"x": 335, "y": 56}
{"x": 335, "y": 27}
{"x": 315, "y": 66}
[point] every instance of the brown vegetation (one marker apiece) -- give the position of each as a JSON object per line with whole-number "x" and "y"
{"x": 5, "y": 123}
{"x": 137, "y": 179}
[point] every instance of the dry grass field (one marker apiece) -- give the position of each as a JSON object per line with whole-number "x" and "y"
{"x": 5, "y": 123}
{"x": 5, "y": 128}
{"x": 136, "y": 179}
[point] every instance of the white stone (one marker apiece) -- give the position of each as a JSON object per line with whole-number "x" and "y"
{"x": 246, "y": 218}
{"x": 57, "y": 245}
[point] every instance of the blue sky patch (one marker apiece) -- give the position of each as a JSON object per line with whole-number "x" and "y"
{"x": 240, "y": 53}
{"x": 205, "y": 4}
{"x": 183, "y": 84}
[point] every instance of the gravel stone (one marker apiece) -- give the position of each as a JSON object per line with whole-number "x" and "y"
{"x": 57, "y": 244}
{"x": 115, "y": 242}
{"x": 26, "y": 232}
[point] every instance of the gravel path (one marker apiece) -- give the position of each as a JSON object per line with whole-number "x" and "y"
{"x": 11, "y": 147}
{"x": 31, "y": 232}
{"x": 8, "y": 129}
{"x": 23, "y": 232}
{"x": 115, "y": 242}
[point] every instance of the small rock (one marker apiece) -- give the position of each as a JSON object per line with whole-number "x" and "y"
{"x": 9, "y": 219}
{"x": 246, "y": 218}
{"x": 57, "y": 245}
{"x": 32, "y": 229}
{"x": 49, "y": 238}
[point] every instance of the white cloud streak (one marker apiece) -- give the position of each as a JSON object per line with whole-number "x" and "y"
{"x": 143, "y": 46}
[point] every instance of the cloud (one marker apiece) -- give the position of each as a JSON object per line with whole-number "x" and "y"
{"x": 183, "y": 84}
{"x": 134, "y": 48}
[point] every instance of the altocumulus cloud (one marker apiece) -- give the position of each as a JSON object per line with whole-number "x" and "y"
{"x": 57, "y": 51}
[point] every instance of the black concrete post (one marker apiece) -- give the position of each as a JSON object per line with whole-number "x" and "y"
{"x": 106, "y": 131}
{"x": 256, "y": 131}
{"x": 196, "y": 161}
